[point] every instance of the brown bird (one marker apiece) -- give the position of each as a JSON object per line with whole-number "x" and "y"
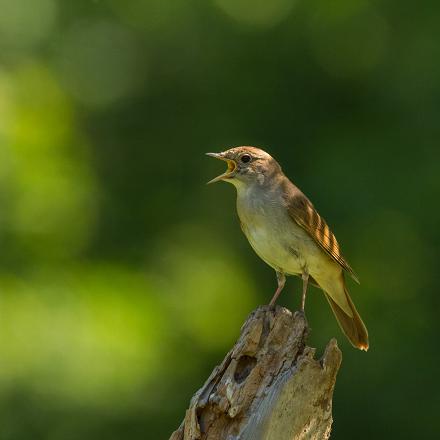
{"x": 286, "y": 232}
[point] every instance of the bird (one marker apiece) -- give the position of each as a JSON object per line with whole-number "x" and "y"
{"x": 286, "y": 232}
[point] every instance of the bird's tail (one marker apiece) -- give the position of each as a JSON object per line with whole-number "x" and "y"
{"x": 352, "y": 326}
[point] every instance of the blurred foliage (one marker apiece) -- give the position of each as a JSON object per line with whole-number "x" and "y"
{"x": 124, "y": 279}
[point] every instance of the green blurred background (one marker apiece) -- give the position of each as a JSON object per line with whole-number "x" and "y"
{"x": 124, "y": 279}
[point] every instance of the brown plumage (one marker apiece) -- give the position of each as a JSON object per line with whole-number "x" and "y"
{"x": 286, "y": 231}
{"x": 301, "y": 209}
{"x": 352, "y": 326}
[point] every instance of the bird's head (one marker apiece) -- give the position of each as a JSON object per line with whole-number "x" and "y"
{"x": 246, "y": 165}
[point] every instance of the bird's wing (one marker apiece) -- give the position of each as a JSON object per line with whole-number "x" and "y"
{"x": 302, "y": 211}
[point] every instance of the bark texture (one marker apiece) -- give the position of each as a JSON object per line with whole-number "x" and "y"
{"x": 268, "y": 387}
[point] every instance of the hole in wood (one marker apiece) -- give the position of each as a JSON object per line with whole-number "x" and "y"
{"x": 244, "y": 367}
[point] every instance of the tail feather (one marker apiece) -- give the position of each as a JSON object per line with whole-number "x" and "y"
{"x": 353, "y": 327}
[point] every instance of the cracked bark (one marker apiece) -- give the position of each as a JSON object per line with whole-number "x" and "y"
{"x": 268, "y": 387}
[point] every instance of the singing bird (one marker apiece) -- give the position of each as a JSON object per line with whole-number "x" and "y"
{"x": 285, "y": 230}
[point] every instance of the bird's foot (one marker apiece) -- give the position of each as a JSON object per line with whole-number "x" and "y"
{"x": 301, "y": 312}
{"x": 271, "y": 305}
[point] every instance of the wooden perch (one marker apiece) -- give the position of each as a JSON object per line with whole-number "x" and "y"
{"x": 268, "y": 387}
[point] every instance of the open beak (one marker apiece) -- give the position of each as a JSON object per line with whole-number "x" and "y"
{"x": 230, "y": 172}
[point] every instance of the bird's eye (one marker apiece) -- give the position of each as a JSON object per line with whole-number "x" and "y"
{"x": 245, "y": 158}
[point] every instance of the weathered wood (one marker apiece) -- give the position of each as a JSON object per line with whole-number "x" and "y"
{"x": 268, "y": 387}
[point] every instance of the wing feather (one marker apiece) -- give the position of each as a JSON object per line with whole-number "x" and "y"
{"x": 302, "y": 211}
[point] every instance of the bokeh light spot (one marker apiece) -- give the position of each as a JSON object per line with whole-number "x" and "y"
{"x": 34, "y": 88}
{"x": 211, "y": 292}
{"x": 158, "y": 17}
{"x": 48, "y": 189}
{"x": 100, "y": 63}
{"x": 89, "y": 334}
{"x": 257, "y": 13}
{"x": 24, "y": 22}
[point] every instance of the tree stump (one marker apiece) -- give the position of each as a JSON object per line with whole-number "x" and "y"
{"x": 268, "y": 387}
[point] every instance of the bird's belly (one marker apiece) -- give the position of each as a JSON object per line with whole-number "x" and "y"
{"x": 275, "y": 251}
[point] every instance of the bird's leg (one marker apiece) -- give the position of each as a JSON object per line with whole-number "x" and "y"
{"x": 281, "y": 278}
{"x": 305, "y": 278}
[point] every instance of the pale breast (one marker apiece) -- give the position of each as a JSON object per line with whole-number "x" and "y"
{"x": 272, "y": 235}
{"x": 276, "y": 238}
{"x": 274, "y": 252}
